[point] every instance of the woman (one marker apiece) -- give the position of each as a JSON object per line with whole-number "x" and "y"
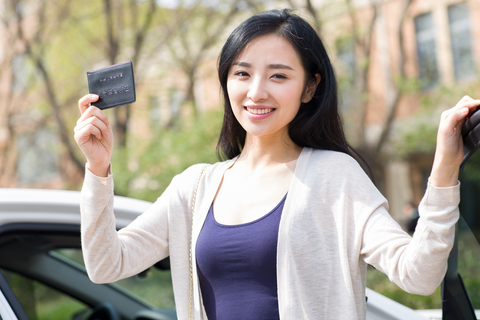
{"x": 307, "y": 257}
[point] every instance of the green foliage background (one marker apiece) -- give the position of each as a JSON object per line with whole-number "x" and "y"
{"x": 417, "y": 134}
{"x": 146, "y": 166}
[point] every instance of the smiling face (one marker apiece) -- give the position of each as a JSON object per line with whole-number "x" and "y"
{"x": 266, "y": 85}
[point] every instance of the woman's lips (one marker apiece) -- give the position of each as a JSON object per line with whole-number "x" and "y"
{"x": 259, "y": 110}
{"x": 259, "y": 113}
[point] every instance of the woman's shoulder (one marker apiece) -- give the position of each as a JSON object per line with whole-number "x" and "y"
{"x": 334, "y": 159}
{"x": 327, "y": 165}
{"x": 194, "y": 171}
{"x": 184, "y": 183}
{"x": 342, "y": 172}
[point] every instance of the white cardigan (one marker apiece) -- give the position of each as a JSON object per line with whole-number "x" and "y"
{"x": 333, "y": 224}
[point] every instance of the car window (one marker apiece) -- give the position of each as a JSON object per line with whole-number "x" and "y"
{"x": 39, "y": 301}
{"x": 153, "y": 286}
{"x": 469, "y": 262}
{"x": 5, "y": 309}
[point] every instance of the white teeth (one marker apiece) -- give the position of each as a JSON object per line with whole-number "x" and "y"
{"x": 259, "y": 111}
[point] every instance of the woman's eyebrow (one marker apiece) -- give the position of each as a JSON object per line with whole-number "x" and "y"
{"x": 270, "y": 66}
{"x": 279, "y": 66}
{"x": 242, "y": 64}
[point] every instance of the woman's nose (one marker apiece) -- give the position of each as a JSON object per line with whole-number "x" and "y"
{"x": 257, "y": 90}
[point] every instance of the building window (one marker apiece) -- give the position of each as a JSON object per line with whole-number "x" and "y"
{"x": 427, "y": 58}
{"x": 460, "y": 38}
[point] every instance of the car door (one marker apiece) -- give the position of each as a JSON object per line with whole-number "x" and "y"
{"x": 10, "y": 308}
{"x": 456, "y": 301}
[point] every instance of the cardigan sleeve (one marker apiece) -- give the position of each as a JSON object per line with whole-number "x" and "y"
{"x": 417, "y": 264}
{"x": 110, "y": 255}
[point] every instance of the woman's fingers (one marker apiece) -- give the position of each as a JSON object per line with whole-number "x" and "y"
{"x": 92, "y": 115}
{"x": 467, "y": 103}
{"x": 93, "y": 111}
{"x": 94, "y": 136}
{"x": 84, "y": 102}
{"x": 97, "y": 119}
{"x": 85, "y": 133}
{"x": 454, "y": 117}
{"x": 95, "y": 126}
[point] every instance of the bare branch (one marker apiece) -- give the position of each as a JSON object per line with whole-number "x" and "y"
{"x": 37, "y": 38}
{"x": 122, "y": 120}
{"x": 40, "y": 65}
{"x": 142, "y": 32}
{"x": 366, "y": 47}
{"x": 112, "y": 37}
{"x": 394, "y": 105}
{"x": 192, "y": 54}
{"x": 313, "y": 13}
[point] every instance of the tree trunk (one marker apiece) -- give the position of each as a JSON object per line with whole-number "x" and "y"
{"x": 51, "y": 94}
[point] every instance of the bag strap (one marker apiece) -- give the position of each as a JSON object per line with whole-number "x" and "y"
{"x": 190, "y": 307}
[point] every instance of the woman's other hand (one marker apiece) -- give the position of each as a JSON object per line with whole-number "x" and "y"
{"x": 449, "y": 152}
{"x": 94, "y": 136}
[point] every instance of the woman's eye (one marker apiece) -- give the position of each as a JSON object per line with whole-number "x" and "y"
{"x": 279, "y": 76}
{"x": 241, "y": 74}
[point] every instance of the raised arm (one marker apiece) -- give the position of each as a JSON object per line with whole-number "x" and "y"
{"x": 94, "y": 136}
{"x": 418, "y": 265}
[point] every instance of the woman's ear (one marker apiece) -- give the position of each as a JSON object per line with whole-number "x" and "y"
{"x": 310, "y": 88}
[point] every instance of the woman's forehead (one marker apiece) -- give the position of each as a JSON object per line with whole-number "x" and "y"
{"x": 271, "y": 48}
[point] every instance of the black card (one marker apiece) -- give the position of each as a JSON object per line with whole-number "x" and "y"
{"x": 115, "y": 85}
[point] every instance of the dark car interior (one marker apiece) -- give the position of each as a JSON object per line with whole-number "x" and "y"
{"x": 30, "y": 264}
{"x": 456, "y": 302}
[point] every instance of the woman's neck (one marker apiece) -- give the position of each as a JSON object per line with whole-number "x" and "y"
{"x": 260, "y": 152}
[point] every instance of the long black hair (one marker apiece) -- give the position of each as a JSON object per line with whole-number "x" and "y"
{"x": 317, "y": 124}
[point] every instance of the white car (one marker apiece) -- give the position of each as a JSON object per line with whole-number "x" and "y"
{"x": 42, "y": 276}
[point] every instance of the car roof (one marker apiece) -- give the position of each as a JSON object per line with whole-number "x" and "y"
{"x": 58, "y": 206}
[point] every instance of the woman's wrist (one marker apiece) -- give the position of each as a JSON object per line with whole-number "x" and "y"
{"x": 99, "y": 170}
{"x": 444, "y": 176}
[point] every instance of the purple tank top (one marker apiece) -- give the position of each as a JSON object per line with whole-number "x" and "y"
{"x": 237, "y": 267}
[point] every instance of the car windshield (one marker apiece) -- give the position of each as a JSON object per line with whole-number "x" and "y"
{"x": 153, "y": 286}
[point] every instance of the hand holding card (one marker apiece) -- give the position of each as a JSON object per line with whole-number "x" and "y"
{"x": 114, "y": 85}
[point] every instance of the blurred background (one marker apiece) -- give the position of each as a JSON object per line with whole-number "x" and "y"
{"x": 399, "y": 64}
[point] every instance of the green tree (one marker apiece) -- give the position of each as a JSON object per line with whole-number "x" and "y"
{"x": 202, "y": 27}
{"x": 148, "y": 166}
{"x": 62, "y": 39}
{"x": 359, "y": 36}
